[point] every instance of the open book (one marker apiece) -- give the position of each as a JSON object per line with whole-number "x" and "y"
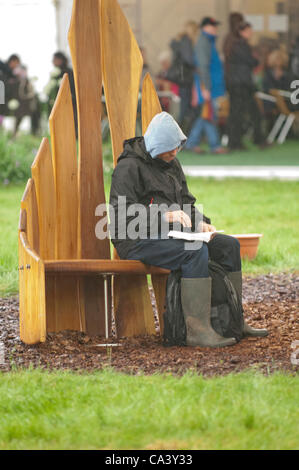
{"x": 193, "y": 237}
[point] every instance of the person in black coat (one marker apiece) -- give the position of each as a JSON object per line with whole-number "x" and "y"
{"x": 184, "y": 63}
{"x": 2, "y": 91}
{"x": 4, "y": 70}
{"x": 235, "y": 19}
{"x": 3, "y": 75}
{"x": 239, "y": 66}
{"x": 61, "y": 64}
{"x": 20, "y": 97}
{"x": 149, "y": 195}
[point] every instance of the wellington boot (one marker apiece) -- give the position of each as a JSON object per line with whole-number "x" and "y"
{"x": 236, "y": 280}
{"x": 196, "y": 304}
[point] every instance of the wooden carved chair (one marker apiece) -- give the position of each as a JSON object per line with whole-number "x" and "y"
{"x": 68, "y": 280}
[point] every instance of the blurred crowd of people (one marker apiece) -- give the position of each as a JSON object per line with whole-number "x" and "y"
{"x": 219, "y": 96}
{"x": 21, "y": 98}
{"x": 216, "y": 87}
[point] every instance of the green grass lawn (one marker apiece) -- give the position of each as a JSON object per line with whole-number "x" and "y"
{"x": 278, "y": 155}
{"x": 236, "y": 206}
{"x": 106, "y": 410}
{"x": 252, "y": 206}
{"x": 114, "y": 411}
{"x": 10, "y": 201}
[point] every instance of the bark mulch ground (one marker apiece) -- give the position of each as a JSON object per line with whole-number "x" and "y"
{"x": 270, "y": 301}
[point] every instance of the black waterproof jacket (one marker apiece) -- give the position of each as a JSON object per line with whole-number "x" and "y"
{"x": 183, "y": 60}
{"x": 239, "y": 65}
{"x": 145, "y": 181}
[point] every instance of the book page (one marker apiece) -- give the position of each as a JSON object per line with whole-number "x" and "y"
{"x": 203, "y": 237}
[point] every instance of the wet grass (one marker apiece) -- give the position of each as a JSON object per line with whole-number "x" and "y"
{"x": 278, "y": 155}
{"x": 254, "y": 206}
{"x": 236, "y": 206}
{"x": 106, "y": 410}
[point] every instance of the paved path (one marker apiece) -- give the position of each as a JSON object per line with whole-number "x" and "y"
{"x": 247, "y": 172}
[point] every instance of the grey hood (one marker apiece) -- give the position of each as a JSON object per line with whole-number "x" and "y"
{"x": 163, "y": 135}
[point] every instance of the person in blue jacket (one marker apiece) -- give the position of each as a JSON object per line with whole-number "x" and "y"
{"x": 210, "y": 85}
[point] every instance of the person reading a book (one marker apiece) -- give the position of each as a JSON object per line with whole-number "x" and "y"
{"x": 149, "y": 174}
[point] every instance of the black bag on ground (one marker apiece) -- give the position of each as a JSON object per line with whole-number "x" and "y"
{"x": 226, "y": 310}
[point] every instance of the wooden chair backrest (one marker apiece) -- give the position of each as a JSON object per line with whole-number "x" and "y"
{"x": 43, "y": 176}
{"x": 68, "y": 188}
{"x": 64, "y": 152}
{"x": 61, "y": 200}
{"x": 86, "y": 50}
{"x": 31, "y": 271}
{"x": 29, "y": 206}
{"x": 122, "y": 68}
{"x": 150, "y": 102}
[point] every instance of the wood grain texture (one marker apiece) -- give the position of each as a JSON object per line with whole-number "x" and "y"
{"x": 101, "y": 266}
{"x": 85, "y": 44}
{"x": 122, "y": 67}
{"x": 31, "y": 287}
{"x": 150, "y": 107}
{"x": 42, "y": 173}
{"x": 32, "y": 294}
{"x": 64, "y": 154}
{"x": 133, "y": 317}
{"x": 150, "y": 102}
{"x": 29, "y": 205}
{"x": 22, "y": 221}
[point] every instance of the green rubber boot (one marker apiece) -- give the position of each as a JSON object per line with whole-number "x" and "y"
{"x": 196, "y": 304}
{"x": 236, "y": 280}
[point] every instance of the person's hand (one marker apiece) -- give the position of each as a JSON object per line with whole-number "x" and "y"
{"x": 206, "y": 94}
{"x": 179, "y": 216}
{"x": 203, "y": 227}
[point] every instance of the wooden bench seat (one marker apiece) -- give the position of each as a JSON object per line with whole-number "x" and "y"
{"x": 67, "y": 278}
{"x": 104, "y": 268}
{"x": 101, "y": 266}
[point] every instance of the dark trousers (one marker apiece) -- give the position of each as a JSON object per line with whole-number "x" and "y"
{"x": 185, "y": 106}
{"x": 172, "y": 254}
{"x": 243, "y": 106}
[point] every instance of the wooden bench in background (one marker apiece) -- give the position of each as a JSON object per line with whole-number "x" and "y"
{"x": 68, "y": 280}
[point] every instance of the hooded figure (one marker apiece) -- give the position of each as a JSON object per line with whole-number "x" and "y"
{"x": 148, "y": 191}
{"x": 163, "y": 135}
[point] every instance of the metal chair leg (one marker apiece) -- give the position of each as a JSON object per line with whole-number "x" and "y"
{"x": 276, "y": 128}
{"x": 107, "y": 345}
{"x": 286, "y": 129}
{"x": 106, "y": 306}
